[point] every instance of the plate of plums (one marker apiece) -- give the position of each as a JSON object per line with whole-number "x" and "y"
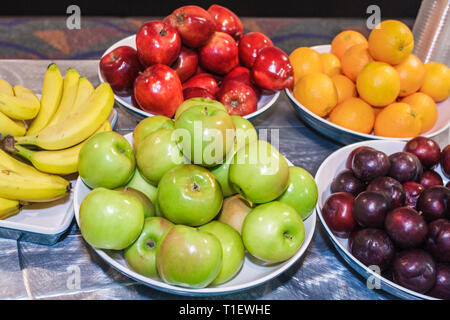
{"x": 385, "y": 205}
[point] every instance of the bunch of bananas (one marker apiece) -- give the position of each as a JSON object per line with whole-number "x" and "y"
{"x": 69, "y": 112}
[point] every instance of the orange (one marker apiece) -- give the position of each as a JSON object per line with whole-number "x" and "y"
{"x": 305, "y": 60}
{"x": 317, "y": 93}
{"x": 345, "y": 87}
{"x": 345, "y": 40}
{"x": 391, "y": 41}
{"x": 354, "y": 114}
{"x": 397, "y": 120}
{"x": 425, "y": 108}
{"x": 378, "y": 84}
{"x": 331, "y": 65}
{"x": 354, "y": 60}
{"x": 412, "y": 75}
{"x": 437, "y": 81}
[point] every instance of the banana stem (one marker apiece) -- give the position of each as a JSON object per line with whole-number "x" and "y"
{"x": 23, "y": 152}
{"x": 8, "y": 144}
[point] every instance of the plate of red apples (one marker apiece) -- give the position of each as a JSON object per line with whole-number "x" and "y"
{"x": 193, "y": 53}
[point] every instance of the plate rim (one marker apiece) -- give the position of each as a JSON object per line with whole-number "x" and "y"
{"x": 162, "y": 286}
{"x": 359, "y": 135}
{"x": 122, "y": 102}
{"x": 343, "y": 251}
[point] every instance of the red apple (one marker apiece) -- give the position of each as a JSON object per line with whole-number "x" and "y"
{"x": 186, "y": 64}
{"x": 157, "y": 42}
{"x": 196, "y": 92}
{"x": 119, "y": 68}
{"x": 272, "y": 70}
{"x": 239, "y": 98}
{"x": 226, "y": 21}
{"x": 242, "y": 74}
{"x": 199, "y": 70}
{"x": 249, "y": 46}
{"x": 158, "y": 90}
{"x": 220, "y": 54}
{"x": 194, "y": 24}
{"x": 203, "y": 80}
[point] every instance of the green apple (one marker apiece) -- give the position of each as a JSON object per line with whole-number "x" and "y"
{"x": 141, "y": 255}
{"x": 189, "y": 195}
{"x": 221, "y": 173}
{"x": 149, "y": 209}
{"x": 206, "y": 134}
{"x": 301, "y": 193}
{"x": 157, "y": 154}
{"x": 149, "y": 125}
{"x": 195, "y": 102}
{"x": 234, "y": 210}
{"x": 188, "y": 257}
{"x": 273, "y": 232}
{"x": 110, "y": 219}
{"x": 232, "y": 250}
{"x": 106, "y": 160}
{"x": 259, "y": 172}
{"x": 138, "y": 182}
{"x": 245, "y": 131}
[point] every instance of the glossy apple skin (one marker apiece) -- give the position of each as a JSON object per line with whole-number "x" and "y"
{"x": 426, "y": 149}
{"x": 194, "y": 24}
{"x": 221, "y": 173}
{"x": 203, "y": 80}
{"x": 220, "y": 54}
{"x": 115, "y": 155}
{"x": 445, "y": 161}
{"x": 239, "y": 98}
{"x": 141, "y": 255}
{"x": 226, "y": 21}
{"x": 158, "y": 90}
{"x": 195, "y": 92}
{"x": 138, "y": 182}
{"x": 110, "y": 219}
{"x": 149, "y": 209}
{"x": 301, "y": 193}
{"x": 337, "y": 213}
{"x": 210, "y": 134}
{"x": 430, "y": 178}
{"x": 441, "y": 288}
{"x": 234, "y": 210}
{"x": 233, "y": 250}
{"x": 414, "y": 269}
{"x": 189, "y": 195}
{"x": 157, "y": 42}
{"x": 249, "y": 46}
{"x": 273, "y": 232}
{"x": 186, "y": 64}
{"x": 256, "y": 166}
{"x": 272, "y": 70}
{"x": 119, "y": 68}
{"x": 157, "y": 154}
{"x": 438, "y": 240}
{"x": 245, "y": 131}
{"x": 149, "y": 125}
{"x": 196, "y": 101}
{"x": 406, "y": 227}
{"x": 244, "y": 75}
{"x": 189, "y": 257}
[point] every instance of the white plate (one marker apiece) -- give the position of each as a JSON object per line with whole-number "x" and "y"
{"x": 347, "y": 136}
{"x": 264, "y": 102}
{"x": 250, "y": 275}
{"x": 334, "y": 164}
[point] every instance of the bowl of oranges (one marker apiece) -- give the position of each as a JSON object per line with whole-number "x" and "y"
{"x": 359, "y": 88}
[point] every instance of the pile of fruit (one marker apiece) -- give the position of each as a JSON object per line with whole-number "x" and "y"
{"x": 195, "y": 52}
{"x": 47, "y": 134}
{"x": 188, "y": 196}
{"x": 395, "y": 211}
{"x": 373, "y": 85}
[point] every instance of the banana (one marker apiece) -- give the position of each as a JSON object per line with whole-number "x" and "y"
{"x": 11, "y": 127}
{"x": 51, "y": 96}
{"x": 16, "y": 186}
{"x": 23, "y": 106}
{"x": 81, "y": 125}
{"x": 8, "y": 207}
{"x": 59, "y": 161}
{"x": 85, "y": 89}
{"x": 6, "y": 88}
{"x": 70, "y": 88}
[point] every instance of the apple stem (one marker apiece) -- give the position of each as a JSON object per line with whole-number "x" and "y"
{"x": 286, "y": 235}
{"x": 206, "y": 110}
{"x": 150, "y": 244}
{"x": 195, "y": 187}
